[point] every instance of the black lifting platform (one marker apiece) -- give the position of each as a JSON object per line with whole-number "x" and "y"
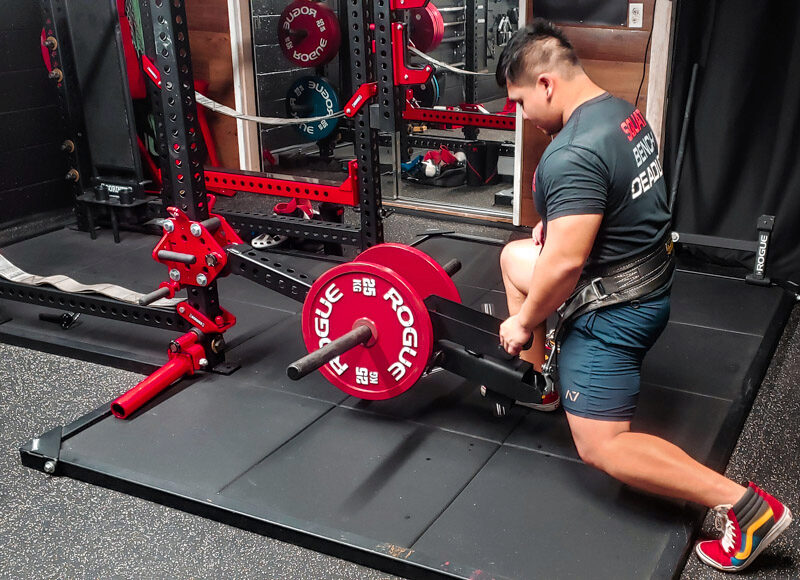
{"x": 428, "y": 484}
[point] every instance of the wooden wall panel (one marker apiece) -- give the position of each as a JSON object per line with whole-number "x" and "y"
{"x": 210, "y": 40}
{"x": 621, "y": 79}
{"x": 608, "y": 43}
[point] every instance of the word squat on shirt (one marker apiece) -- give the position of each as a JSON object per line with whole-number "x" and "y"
{"x": 633, "y": 124}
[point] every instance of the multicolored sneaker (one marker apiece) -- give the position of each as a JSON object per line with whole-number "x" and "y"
{"x": 550, "y": 401}
{"x": 747, "y": 528}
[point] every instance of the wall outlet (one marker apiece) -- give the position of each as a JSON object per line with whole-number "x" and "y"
{"x": 635, "y": 14}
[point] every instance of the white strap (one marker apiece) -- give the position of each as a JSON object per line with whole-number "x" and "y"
{"x": 223, "y": 110}
{"x": 66, "y": 284}
{"x": 441, "y": 64}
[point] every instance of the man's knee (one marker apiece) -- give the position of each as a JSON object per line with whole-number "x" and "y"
{"x": 592, "y": 452}
{"x": 517, "y": 256}
{"x": 594, "y": 439}
{"x": 507, "y": 258}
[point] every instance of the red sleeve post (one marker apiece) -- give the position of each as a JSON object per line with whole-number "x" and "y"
{"x": 184, "y": 362}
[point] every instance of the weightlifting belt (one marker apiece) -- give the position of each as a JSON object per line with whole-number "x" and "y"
{"x": 612, "y": 285}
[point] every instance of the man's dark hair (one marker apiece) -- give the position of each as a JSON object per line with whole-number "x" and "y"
{"x": 539, "y": 46}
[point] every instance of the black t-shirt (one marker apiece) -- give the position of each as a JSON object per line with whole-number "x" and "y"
{"x": 605, "y": 161}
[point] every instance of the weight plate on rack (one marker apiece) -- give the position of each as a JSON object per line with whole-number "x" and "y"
{"x": 427, "y": 27}
{"x": 308, "y": 33}
{"x": 427, "y": 94}
{"x": 313, "y": 97}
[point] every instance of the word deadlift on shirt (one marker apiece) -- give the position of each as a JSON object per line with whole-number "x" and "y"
{"x": 647, "y": 178}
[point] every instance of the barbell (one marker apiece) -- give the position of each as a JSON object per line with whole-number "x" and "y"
{"x": 366, "y": 325}
{"x": 374, "y": 326}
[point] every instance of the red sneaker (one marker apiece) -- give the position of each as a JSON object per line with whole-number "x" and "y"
{"x": 747, "y": 528}
{"x": 550, "y": 402}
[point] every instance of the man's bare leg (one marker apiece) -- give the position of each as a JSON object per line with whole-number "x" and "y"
{"x": 517, "y": 263}
{"x": 649, "y": 463}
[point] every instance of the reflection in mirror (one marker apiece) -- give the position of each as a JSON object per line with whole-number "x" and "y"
{"x": 447, "y": 165}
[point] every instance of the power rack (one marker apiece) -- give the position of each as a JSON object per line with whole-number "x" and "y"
{"x": 199, "y": 245}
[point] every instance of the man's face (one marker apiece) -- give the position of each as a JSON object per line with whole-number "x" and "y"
{"x": 537, "y": 104}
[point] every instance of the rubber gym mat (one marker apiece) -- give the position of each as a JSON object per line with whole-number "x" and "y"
{"x": 430, "y": 483}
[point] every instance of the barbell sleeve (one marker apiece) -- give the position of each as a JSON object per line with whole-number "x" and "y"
{"x": 157, "y": 294}
{"x": 452, "y": 266}
{"x": 179, "y": 257}
{"x": 314, "y": 360}
{"x": 211, "y": 224}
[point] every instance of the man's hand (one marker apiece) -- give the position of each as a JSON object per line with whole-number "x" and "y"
{"x": 513, "y": 335}
{"x": 538, "y": 234}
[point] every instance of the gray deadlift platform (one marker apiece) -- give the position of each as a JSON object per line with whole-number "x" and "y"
{"x": 428, "y": 484}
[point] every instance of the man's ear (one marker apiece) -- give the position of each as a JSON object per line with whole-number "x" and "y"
{"x": 546, "y": 82}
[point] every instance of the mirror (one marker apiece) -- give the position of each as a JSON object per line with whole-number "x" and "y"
{"x": 450, "y": 167}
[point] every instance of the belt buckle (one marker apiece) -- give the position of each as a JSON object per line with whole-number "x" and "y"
{"x": 595, "y": 284}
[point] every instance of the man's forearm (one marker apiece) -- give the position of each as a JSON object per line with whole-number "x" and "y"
{"x": 553, "y": 280}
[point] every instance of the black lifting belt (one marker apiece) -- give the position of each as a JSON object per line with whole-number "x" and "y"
{"x": 616, "y": 284}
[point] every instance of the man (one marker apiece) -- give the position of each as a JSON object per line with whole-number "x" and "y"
{"x": 601, "y": 194}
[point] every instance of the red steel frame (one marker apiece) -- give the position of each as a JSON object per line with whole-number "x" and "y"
{"x": 403, "y": 75}
{"x": 344, "y": 194}
{"x": 504, "y": 122}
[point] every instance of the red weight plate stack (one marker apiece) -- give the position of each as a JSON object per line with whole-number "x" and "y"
{"x": 427, "y": 27}
{"x": 308, "y": 33}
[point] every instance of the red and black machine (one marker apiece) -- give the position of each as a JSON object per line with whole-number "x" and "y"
{"x": 373, "y": 326}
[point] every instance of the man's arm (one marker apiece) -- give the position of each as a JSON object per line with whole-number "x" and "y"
{"x": 569, "y": 241}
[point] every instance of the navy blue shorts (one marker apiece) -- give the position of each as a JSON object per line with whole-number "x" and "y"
{"x": 600, "y": 361}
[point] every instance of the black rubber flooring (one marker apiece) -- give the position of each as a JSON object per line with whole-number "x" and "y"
{"x": 429, "y": 482}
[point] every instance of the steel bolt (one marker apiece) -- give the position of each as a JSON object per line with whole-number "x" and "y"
{"x": 201, "y": 280}
{"x": 182, "y": 309}
{"x": 169, "y": 226}
{"x": 218, "y": 344}
{"x": 203, "y": 362}
{"x": 211, "y": 260}
{"x": 50, "y": 467}
{"x": 174, "y": 274}
{"x": 196, "y": 230}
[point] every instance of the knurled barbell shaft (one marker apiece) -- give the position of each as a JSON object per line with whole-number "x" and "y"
{"x": 452, "y": 266}
{"x": 312, "y": 361}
